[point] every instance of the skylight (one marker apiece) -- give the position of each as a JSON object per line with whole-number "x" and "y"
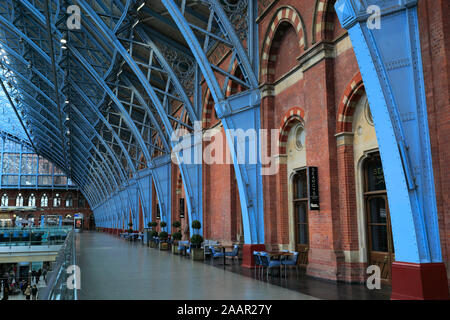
{"x": 8, "y": 119}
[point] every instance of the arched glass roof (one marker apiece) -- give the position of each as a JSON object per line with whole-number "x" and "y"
{"x": 9, "y": 122}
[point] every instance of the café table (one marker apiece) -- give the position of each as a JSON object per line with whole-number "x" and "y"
{"x": 223, "y": 248}
{"x": 279, "y": 254}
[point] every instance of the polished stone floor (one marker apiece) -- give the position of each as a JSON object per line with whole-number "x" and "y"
{"x": 112, "y": 268}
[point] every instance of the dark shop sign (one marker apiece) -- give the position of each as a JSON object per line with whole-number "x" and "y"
{"x": 313, "y": 188}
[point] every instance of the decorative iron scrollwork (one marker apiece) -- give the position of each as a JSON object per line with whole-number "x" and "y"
{"x": 182, "y": 65}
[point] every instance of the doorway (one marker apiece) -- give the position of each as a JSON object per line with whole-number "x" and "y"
{"x": 378, "y": 223}
{"x": 300, "y": 205}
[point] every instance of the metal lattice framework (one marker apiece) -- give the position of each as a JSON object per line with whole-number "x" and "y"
{"x": 102, "y": 86}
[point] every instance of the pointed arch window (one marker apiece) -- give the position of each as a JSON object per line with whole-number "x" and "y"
{"x": 69, "y": 200}
{"x": 44, "y": 200}
{"x": 57, "y": 200}
{"x": 19, "y": 200}
{"x": 32, "y": 200}
{"x": 4, "y": 200}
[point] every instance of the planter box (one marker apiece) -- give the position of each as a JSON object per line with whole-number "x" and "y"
{"x": 152, "y": 244}
{"x": 175, "y": 249}
{"x": 197, "y": 254}
{"x": 163, "y": 246}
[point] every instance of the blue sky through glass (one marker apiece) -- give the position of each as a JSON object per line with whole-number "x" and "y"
{"x": 8, "y": 119}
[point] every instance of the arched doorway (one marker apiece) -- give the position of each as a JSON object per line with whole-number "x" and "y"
{"x": 375, "y": 233}
{"x": 297, "y": 191}
{"x": 91, "y": 222}
{"x": 378, "y": 223}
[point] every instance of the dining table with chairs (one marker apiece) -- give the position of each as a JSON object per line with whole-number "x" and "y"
{"x": 222, "y": 252}
{"x": 275, "y": 259}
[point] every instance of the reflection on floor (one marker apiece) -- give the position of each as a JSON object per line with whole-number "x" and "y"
{"x": 319, "y": 288}
{"x": 112, "y": 268}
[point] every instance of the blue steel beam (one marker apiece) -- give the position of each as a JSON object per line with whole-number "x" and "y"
{"x": 105, "y": 162}
{"x": 37, "y": 14}
{"x": 90, "y": 167}
{"x": 391, "y": 67}
{"x": 190, "y": 177}
{"x": 93, "y": 108}
{"x": 99, "y": 138}
{"x": 242, "y": 112}
{"x": 42, "y": 20}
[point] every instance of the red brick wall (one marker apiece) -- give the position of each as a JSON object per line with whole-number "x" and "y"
{"x": 319, "y": 92}
{"x": 434, "y": 27}
{"x": 49, "y": 210}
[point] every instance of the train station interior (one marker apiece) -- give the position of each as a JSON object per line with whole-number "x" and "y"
{"x": 224, "y": 149}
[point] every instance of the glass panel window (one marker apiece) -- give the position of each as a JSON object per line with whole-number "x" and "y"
{"x": 11, "y": 162}
{"x": 45, "y": 166}
{"x": 300, "y": 185}
{"x": 11, "y": 146}
{"x": 10, "y": 180}
{"x": 379, "y": 238}
{"x": 377, "y": 209}
{"x": 302, "y": 222}
{"x": 375, "y": 176}
{"x": 45, "y": 180}
{"x": 300, "y": 195}
{"x": 29, "y": 164}
{"x": 28, "y": 180}
{"x": 60, "y": 180}
{"x": 57, "y": 170}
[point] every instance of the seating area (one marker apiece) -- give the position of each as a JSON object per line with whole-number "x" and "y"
{"x": 133, "y": 236}
{"x": 275, "y": 260}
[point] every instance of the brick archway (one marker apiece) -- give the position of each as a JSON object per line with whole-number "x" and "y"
{"x": 321, "y": 20}
{"x": 346, "y": 109}
{"x": 293, "y": 116}
{"x": 283, "y": 14}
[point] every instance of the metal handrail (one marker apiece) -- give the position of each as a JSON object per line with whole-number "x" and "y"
{"x": 56, "y": 288}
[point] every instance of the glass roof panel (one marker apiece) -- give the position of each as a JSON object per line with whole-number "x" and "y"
{"x": 8, "y": 119}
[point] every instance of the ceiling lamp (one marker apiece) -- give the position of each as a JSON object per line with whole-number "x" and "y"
{"x": 141, "y": 6}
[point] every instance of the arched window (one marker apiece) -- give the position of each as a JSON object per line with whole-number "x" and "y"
{"x": 69, "y": 201}
{"x": 32, "y": 200}
{"x": 19, "y": 200}
{"x": 44, "y": 200}
{"x": 81, "y": 202}
{"x": 4, "y": 200}
{"x": 57, "y": 200}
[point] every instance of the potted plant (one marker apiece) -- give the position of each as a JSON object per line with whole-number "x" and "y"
{"x": 176, "y": 224}
{"x": 130, "y": 229}
{"x": 163, "y": 244}
{"x": 154, "y": 234}
{"x": 176, "y": 236}
{"x": 196, "y": 242}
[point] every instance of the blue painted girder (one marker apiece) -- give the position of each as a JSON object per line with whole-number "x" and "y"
{"x": 390, "y": 62}
{"x": 161, "y": 173}
{"x": 144, "y": 180}
{"x": 242, "y": 112}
